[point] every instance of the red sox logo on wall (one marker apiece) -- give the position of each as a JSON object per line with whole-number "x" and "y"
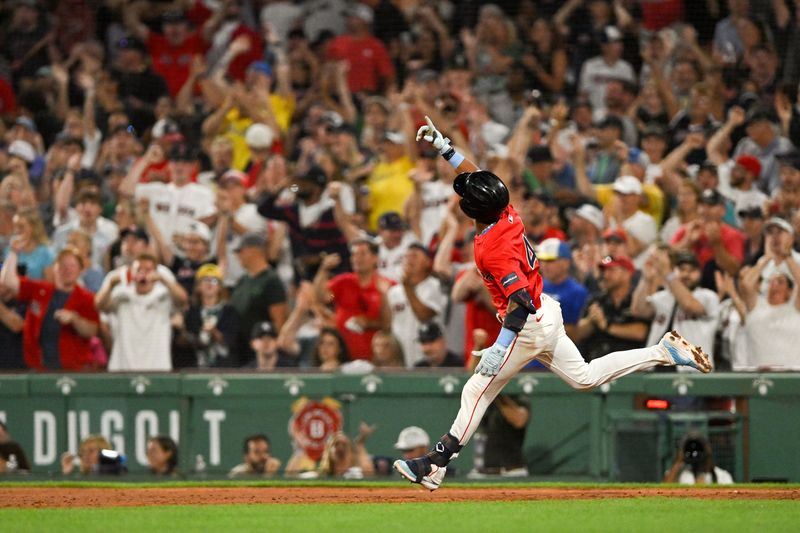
{"x": 312, "y": 422}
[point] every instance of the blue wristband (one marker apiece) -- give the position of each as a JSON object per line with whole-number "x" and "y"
{"x": 456, "y": 160}
{"x": 505, "y": 338}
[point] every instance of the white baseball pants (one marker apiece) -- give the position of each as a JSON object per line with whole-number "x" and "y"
{"x": 544, "y": 338}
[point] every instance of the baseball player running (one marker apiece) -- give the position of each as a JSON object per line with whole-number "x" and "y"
{"x": 532, "y": 324}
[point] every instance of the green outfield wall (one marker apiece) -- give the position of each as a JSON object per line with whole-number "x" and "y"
{"x": 753, "y": 420}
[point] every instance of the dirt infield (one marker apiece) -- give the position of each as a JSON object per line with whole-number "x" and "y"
{"x": 32, "y": 497}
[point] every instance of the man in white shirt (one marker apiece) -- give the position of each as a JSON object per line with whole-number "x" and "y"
{"x": 641, "y": 228}
{"x": 141, "y": 330}
{"x": 426, "y": 208}
{"x": 596, "y": 72}
{"x": 236, "y": 217}
{"x": 418, "y": 298}
{"x": 176, "y": 204}
{"x": 393, "y": 244}
{"x": 778, "y": 248}
{"x": 772, "y": 321}
{"x": 737, "y": 179}
{"x": 103, "y": 232}
{"x": 681, "y": 304}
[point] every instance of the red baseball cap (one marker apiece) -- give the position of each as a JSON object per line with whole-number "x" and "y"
{"x": 617, "y": 234}
{"x": 618, "y": 261}
{"x": 749, "y": 163}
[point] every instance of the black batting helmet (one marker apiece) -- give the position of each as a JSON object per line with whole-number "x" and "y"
{"x": 483, "y": 195}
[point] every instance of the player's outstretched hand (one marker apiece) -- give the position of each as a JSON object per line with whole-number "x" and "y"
{"x": 433, "y": 136}
{"x": 491, "y": 359}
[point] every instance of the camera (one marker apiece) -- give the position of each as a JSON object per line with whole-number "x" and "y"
{"x": 112, "y": 463}
{"x": 694, "y": 452}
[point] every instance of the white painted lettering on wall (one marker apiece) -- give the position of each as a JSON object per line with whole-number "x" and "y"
{"x": 146, "y": 425}
{"x": 44, "y": 437}
{"x": 214, "y": 418}
{"x": 111, "y": 425}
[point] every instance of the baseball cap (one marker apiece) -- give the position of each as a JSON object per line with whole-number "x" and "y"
{"x": 609, "y": 34}
{"x": 412, "y": 437}
{"x": 252, "y": 240}
{"x": 780, "y": 223}
{"x": 137, "y": 231}
{"x": 379, "y": 101}
{"x": 686, "y": 258}
{"x": 609, "y": 122}
{"x": 394, "y": 137}
{"x": 592, "y": 214}
{"x": 22, "y": 149}
{"x": 759, "y": 114}
{"x": 26, "y": 122}
{"x": 65, "y": 139}
{"x": 712, "y": 197}
{"x": 425, "y": 75}
{"x": 751, "y": 211}
{"x": 541, "y": 196}
{"x": 316, "y": 176}
{"x": 552, "y": 249}
{"x": 618, "y": 261}
{"x": 88, "y": 175}
{"x": 262, "y": 67}
{"x": 615, "y": 234}
{"x": 627, "y": 185}
{"x": 391, "y": 221}
{"x": 233, "y": 177}
{"x": 182, "y": 152}
{"x": 429, "y": 332}
{"x": 259, "y": 136}
{"x": 173, "y": 17}
{"x": 362, "y": 12}
{"x": 580, "y": 101}
{"x": 707, "y": 165}
{"x": 208, "y": 270}
{"x": 638, "y": 157}
{"x": 539, "y": 154}
{"x": 790, "y": 158}
{"x": 263, "y": 329}
{"x": 166, "y": 128}
{"x": 421, "y": 247}
{"x": 654, "y": 130}
{"x": 131, "y": 43}
{"x": 196, "y": 227}
{"x": 749, "y": 163}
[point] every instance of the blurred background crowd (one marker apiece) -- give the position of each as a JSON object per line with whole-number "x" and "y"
{"x": 224, "y": 183}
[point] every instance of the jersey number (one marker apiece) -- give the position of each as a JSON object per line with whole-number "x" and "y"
{"x": 530, "y": 255}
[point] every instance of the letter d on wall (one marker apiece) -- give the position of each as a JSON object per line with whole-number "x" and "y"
{"x": 44, "y": 437}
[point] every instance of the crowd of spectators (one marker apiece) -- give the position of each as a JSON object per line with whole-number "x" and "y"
{"x": 224, "y": 183}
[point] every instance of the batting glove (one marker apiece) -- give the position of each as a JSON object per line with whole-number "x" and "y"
{"x": 491, "y": 359}
{"x": 433, "y": 136}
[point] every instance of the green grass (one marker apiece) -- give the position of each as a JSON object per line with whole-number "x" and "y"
{"x": 613, "y": 515}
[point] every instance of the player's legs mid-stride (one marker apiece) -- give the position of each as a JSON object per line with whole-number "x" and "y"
{"x": 542, "y": 338}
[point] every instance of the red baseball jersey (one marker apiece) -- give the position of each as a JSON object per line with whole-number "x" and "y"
{"x": 507, "y": 262}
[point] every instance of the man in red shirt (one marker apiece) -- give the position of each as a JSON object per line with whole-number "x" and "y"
{"x": 358, "y": 297}
{"x": 61, "y": 317}
{"x": 370, "y": 68}
{"x": 533, "y": 327}
{"x": 709, "y": 238}
{"x": 173, "y": 50}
